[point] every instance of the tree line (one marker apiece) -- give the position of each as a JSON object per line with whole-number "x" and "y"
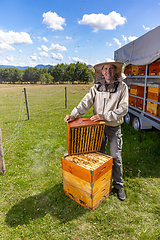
{"x": 61, "y": 73}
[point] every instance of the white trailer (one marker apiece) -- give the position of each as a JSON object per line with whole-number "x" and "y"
{"x": 142, "y": 51}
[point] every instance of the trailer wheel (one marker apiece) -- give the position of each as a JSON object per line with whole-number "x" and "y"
{"x": 128, "y": 118}
{"x": 136, "y": 123}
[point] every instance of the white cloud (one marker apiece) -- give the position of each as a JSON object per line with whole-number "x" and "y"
{"x": 43, "y": 54}
{"x": 124, "y": 38}
{"x": 20, "y": 51}
{"x": 10, "y": 59}
{"x": 53, "y": 20}
{"x": 76, "y": 59}
{"x": 53, "y": 47}
{"x": 39, "y": 38}
{"x": 75, "y": 51}
{"x": 44, "y": 48}
{"x": 4, "y": 62}
{"x": 45, "y": 39}
{"x": 34, "y": 57}
{"x": 101, "y": 21}
{"x": 6, "y": 47}
{"x": 57, "y": 48}
{"x": 29, "y": 63}
{"x": 108, "y": 44}
{"x": 95, "y": 30}
{"x": 57, "y": 56}
{"x": 68, "y": 38}
{"x": 130, "y": 38}
{"x": 15, "y": 37}
{"x": 109, "y": 60}
{"x": 117, "y": 42}
{"x": 146, "y": 28}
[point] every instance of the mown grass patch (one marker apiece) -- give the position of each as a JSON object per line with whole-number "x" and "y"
{"x": 33, "y": 205}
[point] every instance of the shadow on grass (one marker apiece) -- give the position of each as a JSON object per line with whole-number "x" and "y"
{"x": 52, "y": 201}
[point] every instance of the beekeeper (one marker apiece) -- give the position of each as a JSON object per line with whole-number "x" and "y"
{"x": 109, "y": 98}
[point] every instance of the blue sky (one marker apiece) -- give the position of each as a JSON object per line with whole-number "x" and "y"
{"x": 61, "y": 31}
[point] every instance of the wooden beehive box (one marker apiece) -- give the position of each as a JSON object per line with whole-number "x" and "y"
{"x": 134, "y": 70}
{"x": 140, "y": 93}
{"x": 133, "y": 89}
{"x": 140, "y": 89}
{"x": 142, "y": 70}
{"x": 87, "y": 173}
{"x": 139, "y": 103}
{"x": 154, "y": 92}
{"x": 154, "y": 68}
{"x": 127, "y": 71}
{"x": 133, "y": 101}
{"x": 152, "y": 108}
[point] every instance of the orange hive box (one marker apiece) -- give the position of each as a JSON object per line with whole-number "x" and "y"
{"x": 134, "y": 70}
{"x": 133, "y": 101}
{"x": 139, "y": 103}
{"x": 140, "y": 89}
{"x": 127, "y": 71}
{"x": 152, "y": 108}
{"x": 87, "y": 174}
{"x": 140, "y": 93}
{"x": 133, "y": 89}
{"x": 154, "y": 92}
{"x": 154, "y": 68}
{"x": 142, "y": 70}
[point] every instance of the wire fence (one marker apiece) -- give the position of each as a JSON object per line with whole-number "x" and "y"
{"x": 58, "y": 101}
{"x": 17, "y": 128}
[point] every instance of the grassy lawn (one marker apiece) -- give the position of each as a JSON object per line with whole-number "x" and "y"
{"x": 33, "y": 205}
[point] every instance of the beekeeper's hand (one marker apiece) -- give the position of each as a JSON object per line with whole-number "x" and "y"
{"x": 97, "y": 117}
{"x": 69, "y": 118}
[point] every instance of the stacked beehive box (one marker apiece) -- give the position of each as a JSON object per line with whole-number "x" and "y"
{"x": 133, "y": 91}
{"x": 142, "y": 70}
{"x": 127, "y": 70}
{"x": 135, "y": 70}
{"x": 87, "y": 174}
{"x": 140, "y": 93}
{"x": 154, "y": 68}
{"x": 154, "y": 95}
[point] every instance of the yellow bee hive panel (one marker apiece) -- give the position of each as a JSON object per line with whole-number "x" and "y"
{"x": 133, "y": 89}
{"x": 85, "y": 199}
{"x": 134, "y": 70}
{"x": 152, "y": 108}
{"x": 90, "y": 188}
{"x": 87, "y": 194}
{"x": 154, "y": 88}
{"x": 89, "y": 167}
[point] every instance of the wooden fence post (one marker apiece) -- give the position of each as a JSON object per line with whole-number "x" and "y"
{"x": 65, "y": 97}
{"x": 2, "y": 165}
{"x": 25, "y": 94}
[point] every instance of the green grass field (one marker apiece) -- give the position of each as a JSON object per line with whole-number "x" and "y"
{"x": 33, "y": 205}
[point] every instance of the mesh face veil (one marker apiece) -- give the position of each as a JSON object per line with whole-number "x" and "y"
{"x": 119, "y": 76}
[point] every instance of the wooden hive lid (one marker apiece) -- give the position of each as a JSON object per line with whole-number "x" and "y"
{"x": 154, "y": 85}
{"x": 84, "y": 135}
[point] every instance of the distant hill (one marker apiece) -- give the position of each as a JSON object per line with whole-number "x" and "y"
{"x": 42, "y": 66}
{"x": 23, "y": 68}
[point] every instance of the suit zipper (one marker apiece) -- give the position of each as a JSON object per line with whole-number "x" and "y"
{"x": 104, "y": 105}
